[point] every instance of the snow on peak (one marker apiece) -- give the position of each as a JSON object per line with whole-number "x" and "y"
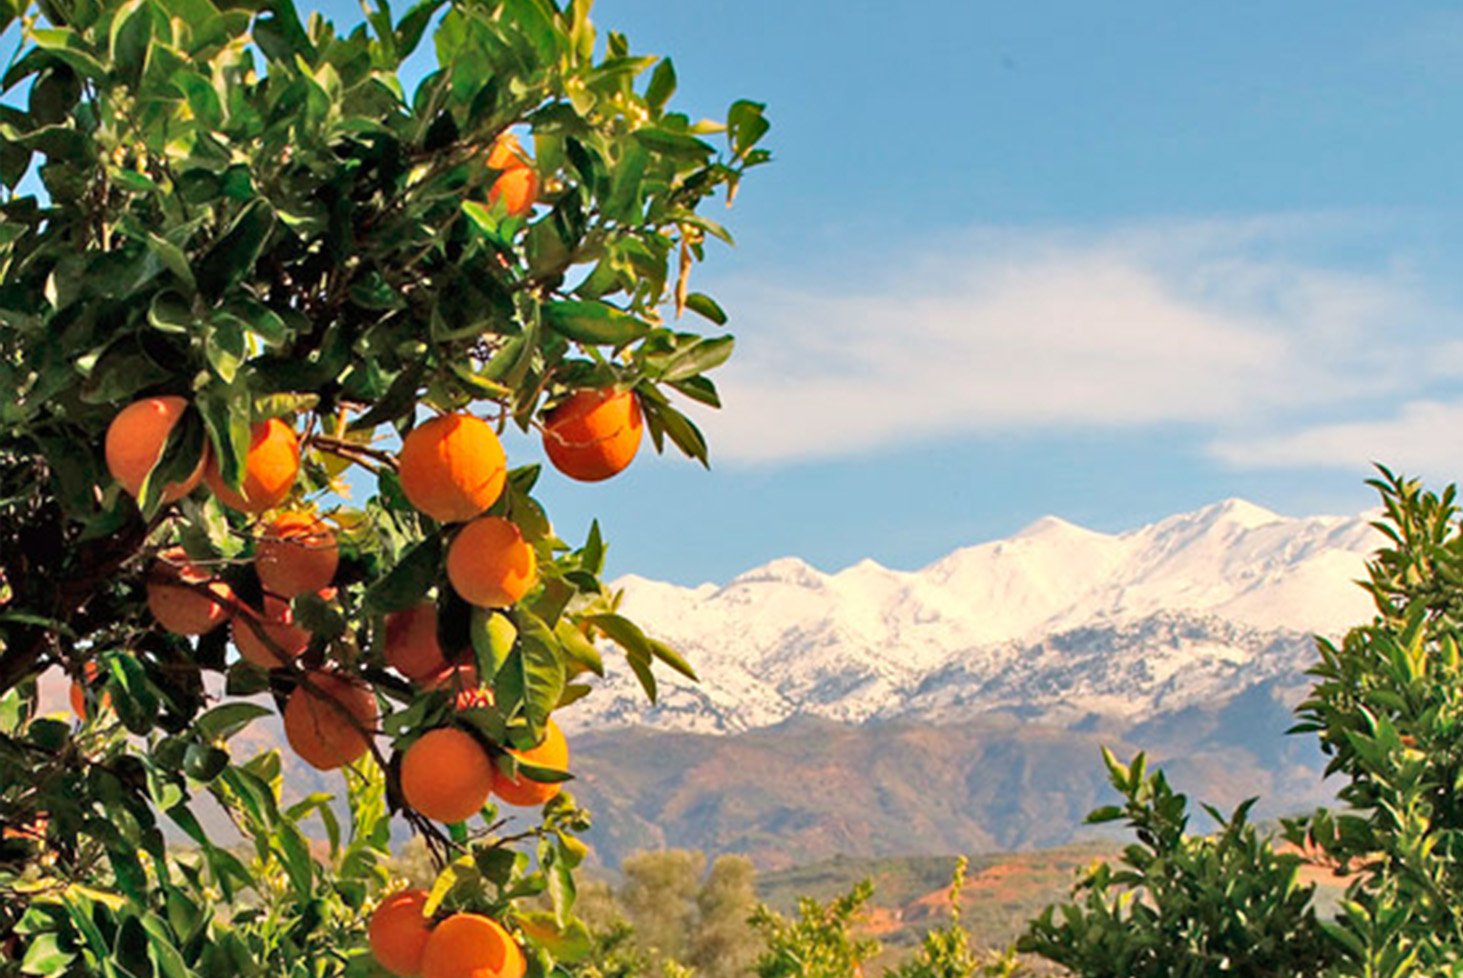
{"x": 1237, "y": 512}
{"x": 783, "y": 570}
{"x": 1048, "y": 526}
{"x": 785, "y": 639}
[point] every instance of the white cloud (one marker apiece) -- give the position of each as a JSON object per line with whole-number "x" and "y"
{"x": 1422, "y": 438}
{"x": 1208, "y": 324}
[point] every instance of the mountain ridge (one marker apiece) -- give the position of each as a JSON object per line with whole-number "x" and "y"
{"x": 865, "y": 642}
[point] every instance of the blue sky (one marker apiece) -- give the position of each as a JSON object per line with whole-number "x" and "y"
{"x": 1105, "y": 261}
{"x": 1060, "y": 257}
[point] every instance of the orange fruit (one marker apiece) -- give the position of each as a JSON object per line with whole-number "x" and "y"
{"x": 471, "y": 945}
{"x": 507, "y": 153}
{"x": 520, "y": 790}
{"x": 411, "y": 642}
{"x": 398, "y": 933}
{"x": 135, "y": 441}
{"x": 517, "y": 189}
{"x": 296, "y": 555}
{"x": 184, "y": 610}
{"x": 90, "y": 673}
{"x": 270, "y": 468}
{"x": 452, "y": 467}
{"x": 594, "y": 434}
{"x": 318, "y": 730}
{"x": 490, "y": 564}
{"x": 446, "y": 775}
{"x": 278, "y": 623}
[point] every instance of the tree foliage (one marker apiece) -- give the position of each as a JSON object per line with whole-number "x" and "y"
{"x": 1387, "y": 707}
{"x": 249, "y": 209}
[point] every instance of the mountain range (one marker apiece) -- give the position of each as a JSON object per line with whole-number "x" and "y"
{"x": 960, "y": 707}
{"x": 1052, "y": 624}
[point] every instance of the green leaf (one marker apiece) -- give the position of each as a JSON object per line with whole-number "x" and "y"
{"x": 170, "y": 312}
{"x": 128, "y": 40}
{"x": 224, "y": 346}
{"x": 66, "y": 45}
{"x": 662, "y": 85}
{"x": 543, "y": 669}
{"x": 226, "y": 417}
{"x": 232, "y": 257}
{"x": 579, "y": 648}
{"x": 204, "y": 763}
{"x": 697, "y": 358}
{"x": 594, "y": 323}
{"x": 745, "y": 125}
{"x": 673, "y": 143}
{"x": 411, "y": 27}
{"x": 704, "y": 305}
{"x": 493, "y": 637}
{"x": 179, "y": 460}
{"x": 672, "y": 658}
{"x": 409, "y": 580}
{"x": 222, "y": 722}
{"x": 664, "y": 420}
{"x": 44, "y": 956}
{"x": 172, "y": 256}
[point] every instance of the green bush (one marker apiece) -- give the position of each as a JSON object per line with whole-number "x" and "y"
{"x": 1387, "y": 707}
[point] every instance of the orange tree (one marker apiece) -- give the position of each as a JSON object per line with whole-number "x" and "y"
{"x": 264, "y": 312}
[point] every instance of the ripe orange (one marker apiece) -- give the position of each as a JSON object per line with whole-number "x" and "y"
{"x": 184, "y": 610}
{"x": 398, "y": 933}
{"x": 446, "y": 775}
{"x": 278, "y": 623}
{"x": 507, "y": 154}
{"x": 452, "y": 467}
{"x": 270, "y": 468}
{"x": 471, "y": 945}
{"x": 490, "y": 564}
{"x": 552, "y": 753}
{"x": 411, "y": 642}
{"x": 517, "y": 189}
{"x": 594, "y": 434}
{"x": 135, "y": 441}
{"x": 296, "y": 555}
{"x": 316, "y": 728}
{"x": 90, "y": 672}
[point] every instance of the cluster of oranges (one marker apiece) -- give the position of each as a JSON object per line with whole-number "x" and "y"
{"x": 452, "y": 468}
{"x": 465, "y": 945}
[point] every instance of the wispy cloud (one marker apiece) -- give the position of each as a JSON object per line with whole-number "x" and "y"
{"x": 1421, "y": 438}
{"x": 1219, "y": 325}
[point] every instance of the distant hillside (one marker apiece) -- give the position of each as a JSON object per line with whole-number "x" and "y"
{"x": 810, "y": 788}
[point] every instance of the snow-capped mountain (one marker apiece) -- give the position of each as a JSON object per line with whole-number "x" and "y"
{"x": 1053, "y": 623}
